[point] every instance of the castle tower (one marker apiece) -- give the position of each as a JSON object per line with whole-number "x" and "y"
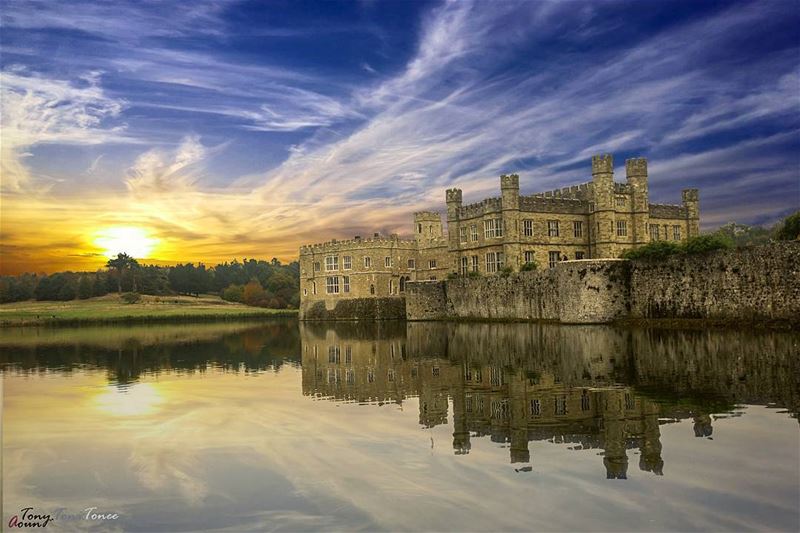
{"x": 636, "y": 176}
{"x": 509, "y": 187}
{"x": 453, "y": 197}
{"x": 427, "y": 228}
{"x": 691, "y": 201}
{"x": 603, "y": 219}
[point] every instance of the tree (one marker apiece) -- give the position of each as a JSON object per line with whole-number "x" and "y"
{"x": 120, "y": 264}
{"x": 253, "y": 293}
{"x": 85, "y": 287}
{"x": 234, "y": 293}
{"x": 790, "y": 228}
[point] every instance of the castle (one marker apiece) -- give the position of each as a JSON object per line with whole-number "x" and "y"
{"x": 598, "y": 219}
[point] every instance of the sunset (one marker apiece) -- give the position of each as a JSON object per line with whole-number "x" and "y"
{"x": 400, "y": 265}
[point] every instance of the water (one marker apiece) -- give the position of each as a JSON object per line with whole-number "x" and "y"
{"x": 398, "y": 426}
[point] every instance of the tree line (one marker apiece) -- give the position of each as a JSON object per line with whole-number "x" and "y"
{"x": 254, "y": 282}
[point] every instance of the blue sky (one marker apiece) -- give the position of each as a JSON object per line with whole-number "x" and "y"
{"x": 247, "y": 128}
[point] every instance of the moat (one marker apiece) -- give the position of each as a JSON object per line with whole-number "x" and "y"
{"x": 401, "y": 426}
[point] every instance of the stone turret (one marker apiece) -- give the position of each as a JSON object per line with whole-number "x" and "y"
{"x": 453, "y": 197}
{"x": 427, "y": 226}
{"x": 691, "y": 201}
{"x": 509, "y": 186}
{"x": 603, "y": 218}
{"x": 636, "y": 176}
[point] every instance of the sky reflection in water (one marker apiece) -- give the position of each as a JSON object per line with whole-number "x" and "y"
{"x": 403, "y": 427}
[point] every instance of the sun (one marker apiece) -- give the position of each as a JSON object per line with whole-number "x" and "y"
{"x": 135, "y": 242}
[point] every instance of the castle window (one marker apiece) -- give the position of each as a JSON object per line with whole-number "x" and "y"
{"x": 372, "y": 289}
{"x": 334, "y": 354}
{"x": 500, "y": 409}
{"x": 552, "y": 228}
{"x": 332, "y": 285}
{"x": 305, "y": 292}
{"x": 474, "y": 263}
{"x": 580, "y": 255}
{"x": 331, "y": 263}
{"x": 435, "y": 371}
{"x": 536, "y": 407}
{"x": 473, "y": 229}
{"x": 346, "y": 283}
{"x": 462, "y": 235}
{"x": 527, "y": 228}
{"x": 653, "y": 232}
{"x": 622, "y": 228}
{"x": 585, "y": 401}
{"x": 494, "y": 261}
{"x": 391, "y": 286}
{"x": 347, "y": 262}
{"x": 390, "y": 375}
{"x": 666, "y": 232}
{"x": 412, "y": 264}
{"x": 529, "y": 257}
{"x": 403, "y": 280}
{"x": 316, "y": 266}
{"x": 553, "y": 258}
{"x": 676, "y": 233}
{"x": 350, "y": 376}
{"x": 334, "y": 375}
{"x": 387, "y": 262}
{"x": 468, "y": 404}
{"x": 561, "y": 405}
{"x": 432, "y": 278}
{"x": 414, "y": 371}
{"x": 367, "y": 262}
{"x": 620, "y": 201}
{"x": 496, "y": 376}
{"x": 577, "y": 229}
{"x": 467, "y": 373}
{"x": 493, "y": 228}
{"x": 348, "y": 354}
{"x": 464, "y": 266}
{"x": 432, "y": 263}
{"x": 313, "y": 287}
{"x": 370, "y": 375}
{"x": 419, "y": 228}
{"x": 629, "y": 401}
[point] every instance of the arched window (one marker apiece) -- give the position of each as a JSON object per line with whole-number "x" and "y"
{"x": 402, "y": 284}
{"x": 372, "y": 289}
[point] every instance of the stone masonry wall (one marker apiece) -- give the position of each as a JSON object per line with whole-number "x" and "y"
{"x": 390, "y": 308}
{"x": 760, "y": 283}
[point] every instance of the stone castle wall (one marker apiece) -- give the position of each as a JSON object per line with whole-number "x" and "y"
{"x": 386, "y": 308}
{"x": 759, "y": 284}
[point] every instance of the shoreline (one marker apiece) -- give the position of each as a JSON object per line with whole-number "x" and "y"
{"x": 147, "y": 319}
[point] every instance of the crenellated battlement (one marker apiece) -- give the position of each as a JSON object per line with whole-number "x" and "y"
{"x": 554, "y": 204}
{"x": 602, "y": 164}
{"x": 509, "y": 181}
{"x": 453, "y": 196}
{"x": 636, "y": 167}
{"x": 667, "y": 211}
{"x": 690, "y": 195}
{"x": 580, "y": 192}
{"x": 380, "y": 241}
{"x": 427, "y": 216}
{"x": 489, "y": 205}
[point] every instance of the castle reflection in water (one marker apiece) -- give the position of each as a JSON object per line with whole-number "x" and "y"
{"x": 518, "y": 384}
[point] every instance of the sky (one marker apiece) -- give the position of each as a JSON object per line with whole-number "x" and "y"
{"x": 207, "y": 131}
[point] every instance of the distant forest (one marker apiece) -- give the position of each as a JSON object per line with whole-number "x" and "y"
{"x": 254, "y": 282}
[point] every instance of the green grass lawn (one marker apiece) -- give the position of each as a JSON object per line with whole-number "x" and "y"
{"x": 111, "y": 308}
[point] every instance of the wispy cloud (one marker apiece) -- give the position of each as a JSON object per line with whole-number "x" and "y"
{"x": 535, "y": 88}
{"x": 37, "y": 110}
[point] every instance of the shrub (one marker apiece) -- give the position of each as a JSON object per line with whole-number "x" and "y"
{"x": 529, "y": 267}
{"x": 505, "y": 271}
{"x": 254, "y": 294}
{"x": 473, "y": 274}
{"x": 707, "y": 243}
{"x": 653, "y": 250}
{"x": 790, "y": 229}
{"x": 131, "y": 297}
{"x": 234, "y": 293}
{"x": 453, "y": 275}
